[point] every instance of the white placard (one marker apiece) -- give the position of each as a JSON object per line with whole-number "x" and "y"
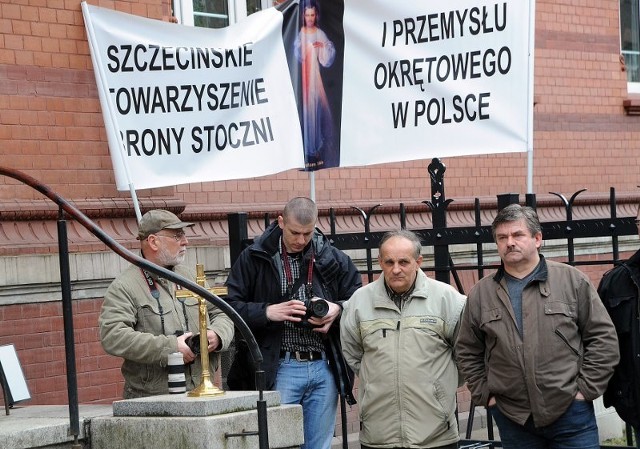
{"x": 10, "y": 366}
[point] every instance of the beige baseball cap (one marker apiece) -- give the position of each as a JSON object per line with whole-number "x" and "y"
{"x": 157, "y": 220}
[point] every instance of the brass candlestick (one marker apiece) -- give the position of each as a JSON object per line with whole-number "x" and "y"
{"x": 206, "y": 387}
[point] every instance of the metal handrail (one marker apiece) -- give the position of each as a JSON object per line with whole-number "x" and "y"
{"x": 134, "y": 259}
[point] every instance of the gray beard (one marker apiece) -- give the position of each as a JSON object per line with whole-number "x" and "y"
{"x": 169, "y": 260}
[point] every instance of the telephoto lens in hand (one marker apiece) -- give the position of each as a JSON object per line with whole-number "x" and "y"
{"x": 177, "y": 381}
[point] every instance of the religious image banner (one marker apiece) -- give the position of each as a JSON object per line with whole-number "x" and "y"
{"x": 314, "y": 42}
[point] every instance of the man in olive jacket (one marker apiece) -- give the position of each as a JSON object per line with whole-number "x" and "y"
{"x": 398, "y": 335}
{"x": 143, "y": 322}
{"x": 536, "y": 346}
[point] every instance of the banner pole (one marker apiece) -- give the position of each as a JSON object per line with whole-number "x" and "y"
{"x": 136, "y": 205}
{"x": 312, "y": 186}
{"x": 530, "y": 86}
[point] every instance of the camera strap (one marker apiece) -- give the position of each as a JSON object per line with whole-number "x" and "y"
{"x": 153, "y": 289}
{"x": 292, "y": 286}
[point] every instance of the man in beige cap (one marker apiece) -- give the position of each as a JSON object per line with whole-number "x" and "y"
{"x": 143, "y": 322}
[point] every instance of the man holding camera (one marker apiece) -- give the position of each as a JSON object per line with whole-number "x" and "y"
{"x": 289, "y": 286}
{"x": 143, "y": 321}
{"x": 398, "y": 335}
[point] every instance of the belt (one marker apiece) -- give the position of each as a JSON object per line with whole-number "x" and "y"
{"x": 303, "y": 356}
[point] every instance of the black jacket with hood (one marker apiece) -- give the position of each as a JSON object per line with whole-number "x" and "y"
{"x": 254, "y": 283}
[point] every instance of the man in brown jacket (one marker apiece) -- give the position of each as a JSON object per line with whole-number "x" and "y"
{"x": 536, "y": 345}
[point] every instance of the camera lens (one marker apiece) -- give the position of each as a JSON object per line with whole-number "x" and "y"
{"x": 319, "y": 308}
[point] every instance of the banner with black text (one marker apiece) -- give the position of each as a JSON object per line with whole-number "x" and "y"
{"x": 314, "y": 84}
{"x": 184, "y": 104}
{"x": 434, "y": 79}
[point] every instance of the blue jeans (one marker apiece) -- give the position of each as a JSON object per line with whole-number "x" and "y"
{"x": 310, "y": 384}
{"x": 575, "y": 429}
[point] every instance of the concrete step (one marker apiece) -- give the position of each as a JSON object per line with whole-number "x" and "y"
{"x": 44, "y": 426}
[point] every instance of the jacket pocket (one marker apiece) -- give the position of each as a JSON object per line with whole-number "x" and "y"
{"x": 155, "y": 379}
{"x": 491, "y": 324}
{"x": 152, "y": 320}
{"x": 443, "y": 396}
{"x": 621, "y": 310}
{"x": 621, "y": 394}
{"x": 562, "y": 316}
{"x": 567, "y": 342}
{"x": 490, "y": 315}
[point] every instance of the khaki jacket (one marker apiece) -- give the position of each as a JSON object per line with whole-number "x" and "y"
{"x": 132, "y": 327}
{"x": 569, "y": 344}
{"x": 404, "y": 360}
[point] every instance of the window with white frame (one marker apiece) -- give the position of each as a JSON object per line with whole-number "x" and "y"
{"x": 216, "y": 13}
{"x": 630, "y": 41}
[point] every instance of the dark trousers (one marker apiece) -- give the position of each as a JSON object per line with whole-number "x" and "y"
{"x": 575, "y": 429}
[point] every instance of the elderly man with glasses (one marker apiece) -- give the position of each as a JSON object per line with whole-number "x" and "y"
{"x": 143, "y": 321}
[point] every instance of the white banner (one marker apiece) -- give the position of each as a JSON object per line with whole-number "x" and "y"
{"x": 430, "y": 79}
{"x": 184, "y": 104}
{"x": 368, "y": 81}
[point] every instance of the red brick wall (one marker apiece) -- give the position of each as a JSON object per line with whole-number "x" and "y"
{"x": 36, "y": 331}
{"x": 51, "y": 126}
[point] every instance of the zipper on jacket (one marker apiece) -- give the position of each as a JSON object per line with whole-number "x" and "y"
{"x": 563, "y": 338}
{"x": 384, "y": 331}
{"x": 398, "y": 338}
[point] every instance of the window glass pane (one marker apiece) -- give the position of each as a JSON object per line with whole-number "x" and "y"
{"x": 630, "y": 38}
{"x": 210, "y": 22}
{"x": 210, "y": 13}
{"x": 253, "y": 6}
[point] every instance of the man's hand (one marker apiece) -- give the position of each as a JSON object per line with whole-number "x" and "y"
{"x": 187, "y": 355}
{"x": 292, "y": 310}
{"x": 325, "y": 322}
{"x": 214, "y": 341}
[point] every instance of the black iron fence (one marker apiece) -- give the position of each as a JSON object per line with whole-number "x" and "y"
{"x": 441, "y": 238}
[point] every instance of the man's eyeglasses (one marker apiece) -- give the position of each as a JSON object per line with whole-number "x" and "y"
{"x": 177, "y": 236}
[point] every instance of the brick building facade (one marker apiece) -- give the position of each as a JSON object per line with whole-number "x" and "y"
{"x": 586, "y": 135}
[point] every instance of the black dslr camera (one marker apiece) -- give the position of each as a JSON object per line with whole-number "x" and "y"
{"x": 193, "y": 342}
{"x": 316, "y": 307}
